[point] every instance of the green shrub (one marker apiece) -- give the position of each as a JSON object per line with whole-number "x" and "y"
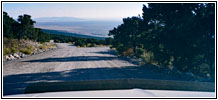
{"x": 148, "y": 58}
{"x": 6, "y": 51}
{"x": 202, "y": 69}
{"x": 128, "y": 52}
{"x": 89, "y": 45}
{"x": 26, "y": 51}
{"x": 139, "y": 52}
{"x": 94, "y": 45}
{"x": 10, "y": 46}
{"x": 30, "y": 47}
{"x": 120, "y": 49}
{"x": 14, "y": 50}
{"x": 80, "y": 43}
{"x": 43, "y": 47}
{"x": 14, "y": 43}
{"x": 52, "y": 45}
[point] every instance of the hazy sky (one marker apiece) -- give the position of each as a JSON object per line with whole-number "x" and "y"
{"x": 111, "y": 11}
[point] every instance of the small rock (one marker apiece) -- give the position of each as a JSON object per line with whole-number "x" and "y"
{"x": 22, "y": 55}
{"x": 16, "y": 55}
{"x": 35, "y": 50}
{"x": 12, "y": 57}
{"x": 7, "y": 57}
{"x": 40, "y": 50}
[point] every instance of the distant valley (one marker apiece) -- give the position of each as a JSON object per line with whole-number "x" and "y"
{"x": 61, "y": 32}
{"x": 86, "y": 27}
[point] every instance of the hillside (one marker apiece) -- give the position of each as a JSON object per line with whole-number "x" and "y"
{"x": 60, "y": 32}
{"x": 97, "y": 28}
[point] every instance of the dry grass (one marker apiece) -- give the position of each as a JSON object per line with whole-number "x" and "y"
{"x": 11, "y": 46}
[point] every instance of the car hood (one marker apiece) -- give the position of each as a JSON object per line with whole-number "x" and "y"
{"x": 120, "y": 93}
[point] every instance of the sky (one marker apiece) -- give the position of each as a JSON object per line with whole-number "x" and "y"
{"x": 108, "y": 11}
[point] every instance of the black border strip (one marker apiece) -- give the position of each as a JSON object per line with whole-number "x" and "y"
{"x": 216, "y": 50}
{"x": 108, "y": 1}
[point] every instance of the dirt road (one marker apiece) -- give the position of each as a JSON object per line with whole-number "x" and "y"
{"x": 69, "y": 63}
{"x": 67, "y": 57}
{"x": 64, "y": 64}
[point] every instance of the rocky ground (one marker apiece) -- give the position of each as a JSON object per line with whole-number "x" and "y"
{"x": 37, "y": 48}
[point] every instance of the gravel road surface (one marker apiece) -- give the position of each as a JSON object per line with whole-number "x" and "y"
{"x": 69, "y": 63}
{"x": 64, "y": 64}
{"x": 66, "y": 57}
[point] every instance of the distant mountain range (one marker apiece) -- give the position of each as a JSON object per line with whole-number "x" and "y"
{"x": 87, "y": 27}
{"x": 57, "y": 19}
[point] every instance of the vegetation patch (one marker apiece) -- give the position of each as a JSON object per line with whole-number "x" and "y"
{"x": 174, "y": 36}
{"x": 26, "y": 51}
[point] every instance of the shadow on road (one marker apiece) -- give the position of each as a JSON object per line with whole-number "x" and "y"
{"x": 16, "y": 84}
{"x": 108, "y": 52}
{"x": 73, "y": 59}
